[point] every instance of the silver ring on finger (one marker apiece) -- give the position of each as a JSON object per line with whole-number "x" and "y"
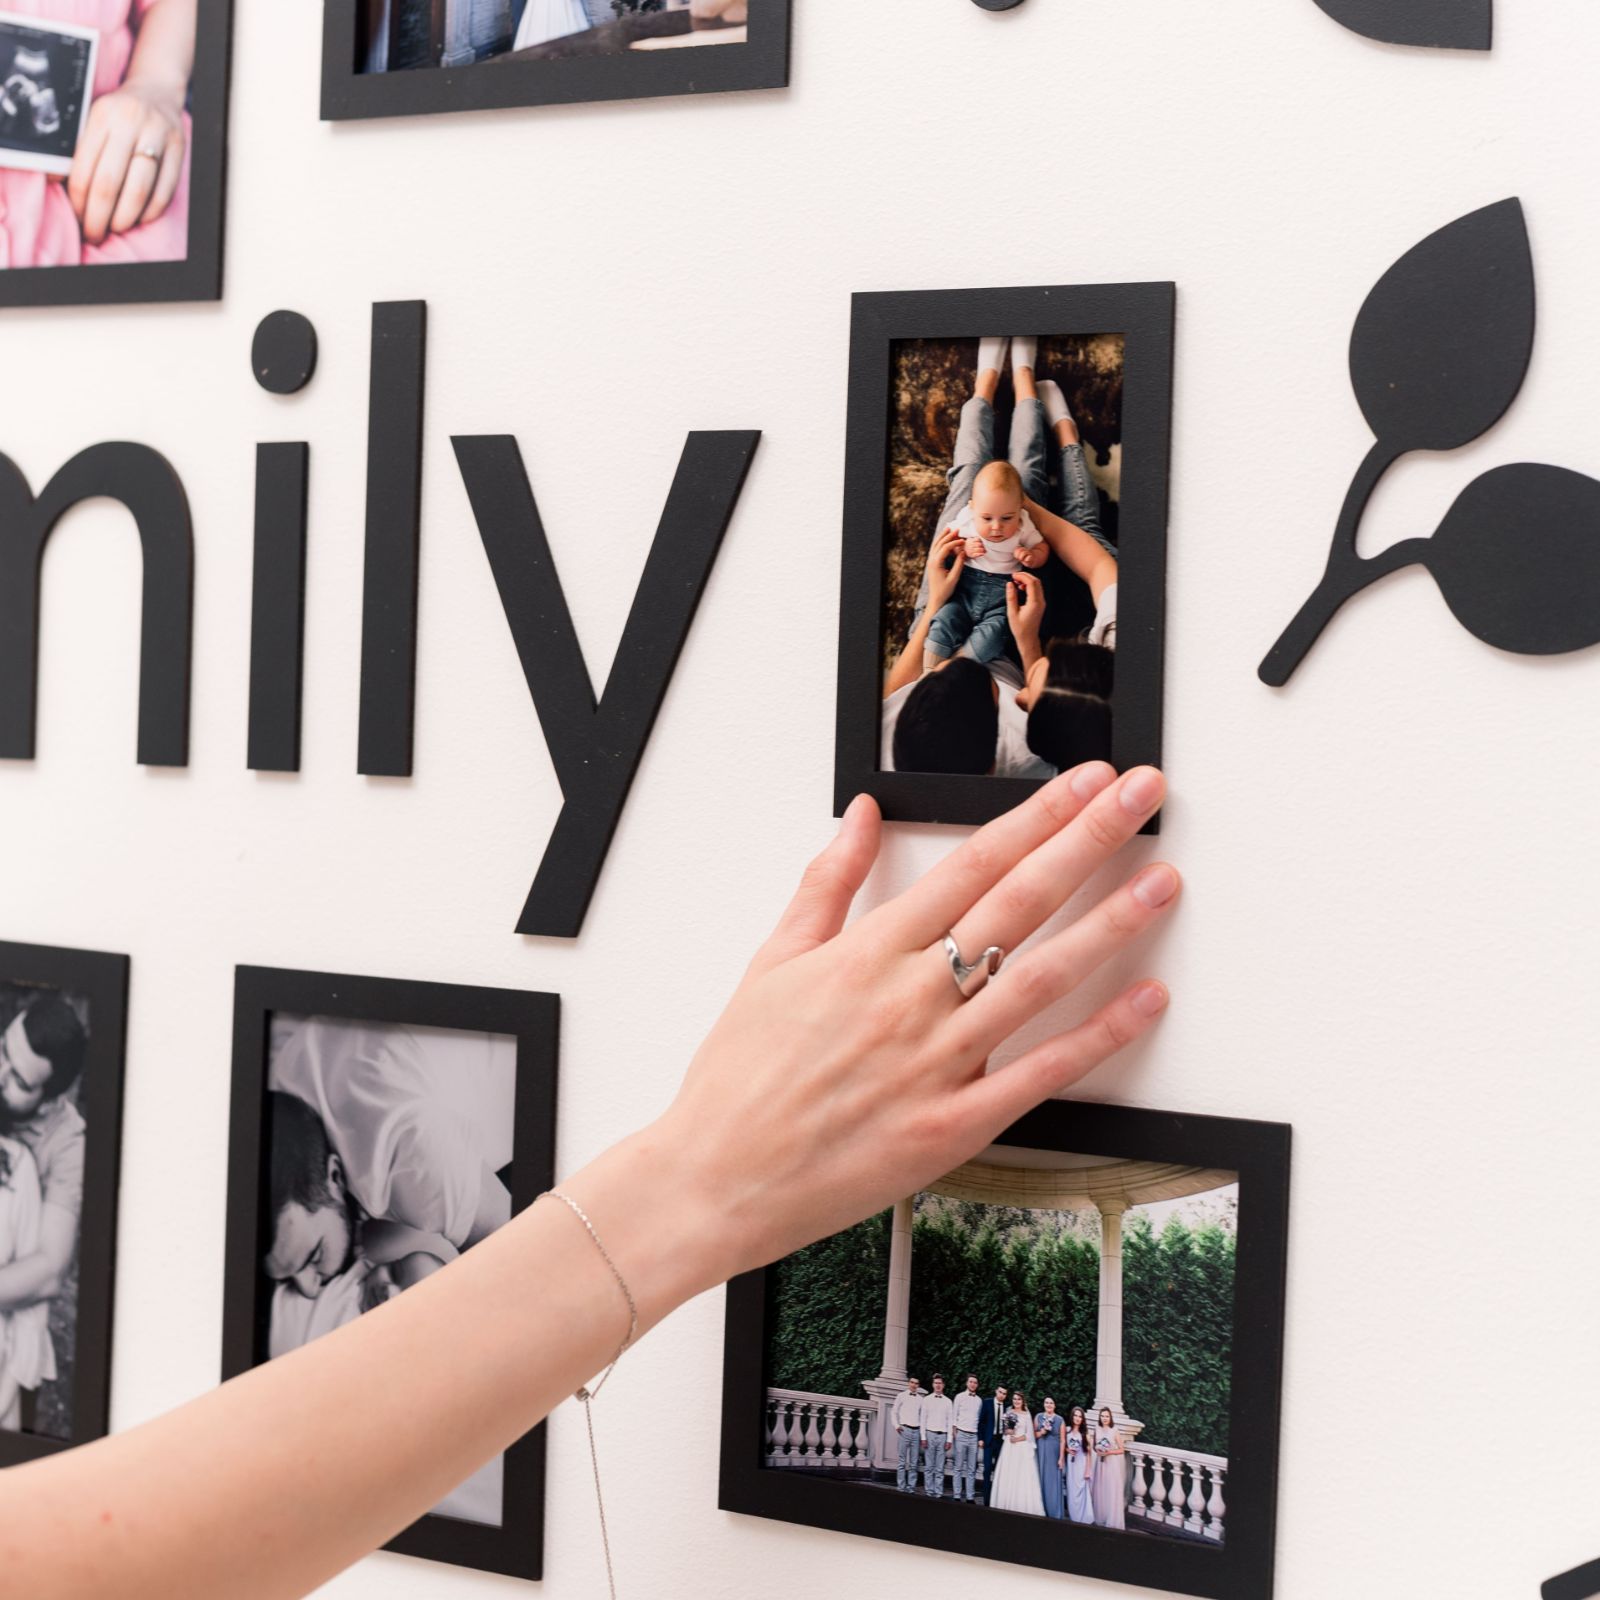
{"x": 970, "y": 979}
{"x": 149, "y": 153}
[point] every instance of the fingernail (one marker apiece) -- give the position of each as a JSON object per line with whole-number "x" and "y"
{"x": 1155, "y": 886}
{"x": 1088, "y": 780}
{"x": 1141, "y": 790}
{"x": 1149, "y": 998}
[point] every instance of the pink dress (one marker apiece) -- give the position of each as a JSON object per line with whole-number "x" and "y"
{"x": 38, "y": 227}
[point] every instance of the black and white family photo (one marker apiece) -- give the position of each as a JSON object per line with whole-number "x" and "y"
{"x": 1000, "y": 584}
{"x": 389, "y": 1153}
{"x": 44, "y": 1040}
{"x": 1042, "y": 1333}
{"x": 403, "y": 34}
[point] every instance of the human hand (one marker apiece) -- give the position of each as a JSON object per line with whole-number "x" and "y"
{"x": 974, "y": 547}
{"x": 1033, "y": 555}
{"x": 1025, "y": 610}
{"x": 946, "y": 560}
{"x": 129, "y": 159}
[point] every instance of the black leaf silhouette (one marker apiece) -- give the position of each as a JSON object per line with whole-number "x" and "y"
{"x": 1517, "y": 559}
{"x": 1443, "y": 342}
{"x": 1438, "y": 24}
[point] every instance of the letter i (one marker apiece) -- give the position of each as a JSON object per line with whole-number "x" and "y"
{"x": 283, "y": 357}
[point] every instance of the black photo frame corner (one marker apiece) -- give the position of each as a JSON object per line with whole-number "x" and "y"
{"x": 1145, "y": 314}
{"x": 348, "y": 94}
{"x": 516, "y": 1547}
{"x": 1258, "y": 1152}
{"x": 199, "y": 275}
{"x": 102, "y": 979}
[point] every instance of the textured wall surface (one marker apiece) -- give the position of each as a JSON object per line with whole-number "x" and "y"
{"x": 1388, "y": 937}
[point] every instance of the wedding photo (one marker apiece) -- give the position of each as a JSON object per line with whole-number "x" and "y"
{"x": 1004, "y": 534}
{"x": 112, "y": 127}
{"x": 398, "y": 57}
{"x": 382, "y": 1128}
{"x": 1044, "y": 1353}
{"x": 61, "y": 1045}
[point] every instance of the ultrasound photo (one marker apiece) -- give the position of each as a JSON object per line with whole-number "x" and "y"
{"x": 46, "y": 72}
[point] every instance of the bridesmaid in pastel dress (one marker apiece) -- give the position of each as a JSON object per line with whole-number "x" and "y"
{"x": 1110, "y": 1492}
{"x": 127, "y": 196}
{"x": 1077, "y": 1467}
{"x": 1047, "y": 1430}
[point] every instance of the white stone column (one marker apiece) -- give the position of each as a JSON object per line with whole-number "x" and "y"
{"x": 896, "y": 1329}
{"x": 1108, "y": 1346}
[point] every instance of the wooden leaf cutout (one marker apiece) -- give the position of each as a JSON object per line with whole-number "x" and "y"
{"x": 1442, "y": 344}
{"x": 1435, "y": 24}
{"x": 1517, "y": 559}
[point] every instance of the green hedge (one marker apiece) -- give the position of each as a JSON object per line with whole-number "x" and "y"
{"x": 1014, "y": 1297}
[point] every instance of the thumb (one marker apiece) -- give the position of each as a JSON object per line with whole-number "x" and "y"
{"x": 827, "y": 888}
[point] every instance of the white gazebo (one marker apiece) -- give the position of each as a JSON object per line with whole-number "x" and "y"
{"x": 822, "y": 1431}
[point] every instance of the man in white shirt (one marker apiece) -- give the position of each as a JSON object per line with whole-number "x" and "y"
{"x": 906, "y": 1415}
{"x": 966, "y": 1418}
{"x": 938, "y": 1432}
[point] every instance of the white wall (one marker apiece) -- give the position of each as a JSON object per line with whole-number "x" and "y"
{"x": 1390, "y": 866}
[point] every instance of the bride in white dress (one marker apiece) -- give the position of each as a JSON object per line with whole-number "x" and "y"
{"x": 1016, "y": 1477}
{"x": 545, "y": 20}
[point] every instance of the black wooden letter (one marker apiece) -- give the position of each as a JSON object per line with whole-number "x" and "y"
{"x": 596, "y": 747}
{"x": 147, "y": 485}
{"x": 277, "y": 607}
{"x": 394, "y": 510}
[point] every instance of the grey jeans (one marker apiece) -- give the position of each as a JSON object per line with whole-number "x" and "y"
{"x": 933, "y": 1472}
{"x": 966, "y": 1464}
{"x": 905, "y": 1476}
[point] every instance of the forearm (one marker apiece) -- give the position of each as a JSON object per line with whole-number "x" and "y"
{"x": 28, "y": 1281}
{"x": 163, "y": 53}
{"x": 1085, "y": 555}
{"x": 163, "y": 1513}
{"x": 907, "y": 666}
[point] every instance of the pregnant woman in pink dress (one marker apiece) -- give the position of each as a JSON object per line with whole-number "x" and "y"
{"x": 127, "y": 196}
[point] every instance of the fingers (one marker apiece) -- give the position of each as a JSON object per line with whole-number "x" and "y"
{"x": 139, "y": 182}
{"x": 1032, "y": 982}
{"x": 933, "y": 905}
{"x": 994, "y": 1102}
{"x": 827, "y": 889}
{"x": 1036, "y": 886}
{"x": 84, "y": 161}
{"x": 167, "y": 179}
{"x": 110, "y": 172}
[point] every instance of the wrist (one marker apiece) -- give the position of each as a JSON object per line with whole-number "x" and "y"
{"x": 169, "y": 92}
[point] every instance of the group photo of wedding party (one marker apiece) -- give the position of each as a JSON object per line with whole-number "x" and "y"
{"x": 999, "y": 616}
{"x": 1042, "y": 1333}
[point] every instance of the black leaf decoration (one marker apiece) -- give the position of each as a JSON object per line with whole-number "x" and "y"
{"x": 1434, "y": 24}
{"x": 1439, "y": 351}
{"x": 1442, "y": 344}
{"x": 1517, "y": 558}
{"x": 1582, "y": 1583}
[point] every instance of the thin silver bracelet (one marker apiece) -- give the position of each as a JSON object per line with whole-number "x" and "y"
{"x": 587, "y": 1392}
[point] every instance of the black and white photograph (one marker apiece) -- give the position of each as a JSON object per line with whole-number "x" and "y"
{"x": 61, "y": 1042}
{"x": 113, "y": 130}
{"x": 400, "y": 57}
{"x": 46, "y": 72}
{"x": 387, "y": 1145}
{"x": 1043, "y": 1351}
{"x": 1004, "y": 533}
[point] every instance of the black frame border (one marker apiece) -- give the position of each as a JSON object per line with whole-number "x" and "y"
{"x": 1144, "y": 313}
{"x": 1243, "y": 1568}
{"x": 516, "y": 1547}
{"x": 199, "y": 275}
{"x": 351, "y": 95}
{"x": 103, "y": 980}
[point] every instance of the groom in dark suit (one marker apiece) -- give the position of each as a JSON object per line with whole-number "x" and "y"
{"x": 990, "y": 1437}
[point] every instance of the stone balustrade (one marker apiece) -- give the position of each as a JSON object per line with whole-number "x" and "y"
{"x": 1179, "y": 1490}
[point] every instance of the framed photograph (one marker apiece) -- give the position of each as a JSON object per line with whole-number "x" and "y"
{"x": 379, "y": 1128}
{"x": 63, "y": 1030}
{"x": 397, "y": 58}
{"x": 1002, "y": 597}
{"x": 1066, "y": 1354}
{"x": 107, "y": 197}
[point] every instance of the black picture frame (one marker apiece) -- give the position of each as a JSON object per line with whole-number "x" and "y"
{"x": 199, "y": 275}
{"x": 1243, "y": 1568}
{"x": 349, "y": 94}
{"x": 102, "y": 979}
{"x": 516, "y": 1547}
{"x": 1144, "y": 313}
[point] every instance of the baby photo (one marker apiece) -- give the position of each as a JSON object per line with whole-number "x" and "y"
{"x": 1000, "y": 583}
{"x": 45, "y": 75}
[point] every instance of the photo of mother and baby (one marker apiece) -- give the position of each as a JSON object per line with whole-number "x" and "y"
{"x": 980, "y": 686}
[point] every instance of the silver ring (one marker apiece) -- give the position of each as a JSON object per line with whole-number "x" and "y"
{"x": 969, "y": 980}
{"x": 149, "y": 155}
